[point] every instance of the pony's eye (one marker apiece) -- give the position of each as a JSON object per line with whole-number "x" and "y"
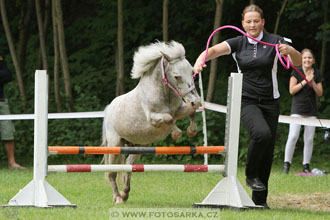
{"x": 178, "y": 78}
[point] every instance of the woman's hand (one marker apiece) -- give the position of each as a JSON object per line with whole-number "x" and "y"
{"x": 284, "y": 49}
{"x": 310, "y": 77}
{"x": 198, "y": 66}
{"x": 292, "y": 53}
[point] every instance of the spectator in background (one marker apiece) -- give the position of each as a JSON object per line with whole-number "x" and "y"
{"x": 7, "y": 127}
{"x": 303, "y": 106}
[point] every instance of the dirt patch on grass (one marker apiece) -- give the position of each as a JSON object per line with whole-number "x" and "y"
{"x": 312, "y": 202}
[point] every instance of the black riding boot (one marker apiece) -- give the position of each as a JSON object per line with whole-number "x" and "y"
{"x": 306, "y": 168}
{"x": 286, "y": 167}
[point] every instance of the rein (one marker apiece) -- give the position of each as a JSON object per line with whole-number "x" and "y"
{"x": 166, "y": 82}
{"x": 286, "y": 66}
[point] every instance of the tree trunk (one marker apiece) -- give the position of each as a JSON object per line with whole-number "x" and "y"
{"x": 215, "y": 40}
{"x": 56, "y": 61}
{"x": 23, "y": 28}
{"x": 41, "y": 36}
{"x": 12, "y": 50}
{"x": 279, "y": 16}
{"x": 64, "y": 58}
{"x": 120, "y": 89}
{"x": 324, "y": 39}
{"x": 45, "y": 18}
{"x": 165, "y": 20}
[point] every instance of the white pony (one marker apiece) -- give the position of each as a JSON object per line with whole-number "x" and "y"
{"x": 164, "y": 94}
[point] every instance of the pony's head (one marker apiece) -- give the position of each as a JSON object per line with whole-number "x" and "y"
{"x": 146, "y": 56}
{"x": 176, "y": 69}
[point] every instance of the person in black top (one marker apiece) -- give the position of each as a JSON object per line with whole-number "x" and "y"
{"x": 7, "y": 127}
{"x": 260, "y": 107}
{"x": 303, "y": 106}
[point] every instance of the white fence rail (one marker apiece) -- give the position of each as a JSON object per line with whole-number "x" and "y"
{"x": 211, "y": 106}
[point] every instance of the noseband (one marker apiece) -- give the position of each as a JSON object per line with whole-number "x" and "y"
{"x": 166, "y": 82}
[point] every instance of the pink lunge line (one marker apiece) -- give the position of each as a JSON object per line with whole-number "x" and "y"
{"x": 286, "y": 66}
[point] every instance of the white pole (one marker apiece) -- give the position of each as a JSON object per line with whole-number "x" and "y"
{"x": 203, "y": 116}
{"x": 40, "y": 126}
{"x": 233, "y": 123}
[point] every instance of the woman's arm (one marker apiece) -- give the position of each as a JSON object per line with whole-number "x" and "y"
{"x": 213, "y": 52}
{"x": 318, "y": 88}
{"x": 291, "y": 52}
{"x": 294, "y": 86}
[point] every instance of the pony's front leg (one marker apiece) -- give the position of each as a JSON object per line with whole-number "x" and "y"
{"x": 182, "y": 112}
{"x": 156, "y": 119}
{"x": 176, "y": 132}
{"x": 192, "y": 128}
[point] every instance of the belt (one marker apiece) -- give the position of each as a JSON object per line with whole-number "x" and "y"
{"x": 2, "y": 99}
{"x": 259, "y": 100}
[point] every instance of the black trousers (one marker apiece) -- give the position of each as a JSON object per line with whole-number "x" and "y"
{"x": 260, "y": 118}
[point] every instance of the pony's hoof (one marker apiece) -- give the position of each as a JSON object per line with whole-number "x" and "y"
{"x": 119, "y": 200}
{"x": 176, "y": 137}
{"x": 124, "y": 195}
{"x": 191, "y": 133}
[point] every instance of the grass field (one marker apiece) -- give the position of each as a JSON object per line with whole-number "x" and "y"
{"x": 290, "y": 196}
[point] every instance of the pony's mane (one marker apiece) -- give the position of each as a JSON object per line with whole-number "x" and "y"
{"x": 145, "y": 57}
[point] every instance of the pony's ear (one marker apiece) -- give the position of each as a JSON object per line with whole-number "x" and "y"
{"x": 167, "y": 58}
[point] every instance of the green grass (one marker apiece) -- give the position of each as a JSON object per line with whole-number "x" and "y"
{"x": 290, "y": 197}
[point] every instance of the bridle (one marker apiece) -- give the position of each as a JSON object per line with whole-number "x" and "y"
{"x": 166, "y": 82}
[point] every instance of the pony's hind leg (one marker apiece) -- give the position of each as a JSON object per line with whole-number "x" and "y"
{"x": 131, "y": 159}
{"x": 112, "y": 176}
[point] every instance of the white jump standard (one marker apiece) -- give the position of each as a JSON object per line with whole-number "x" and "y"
{"x": 39, "y": 193}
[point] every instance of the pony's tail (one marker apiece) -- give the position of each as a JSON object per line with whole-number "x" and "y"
{"x": 104, "y": 137}
{"x": 107, "y": 132}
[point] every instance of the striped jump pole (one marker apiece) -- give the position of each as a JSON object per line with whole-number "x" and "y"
{"x": 136, "y": 168}
{"x": 136, "y": 150}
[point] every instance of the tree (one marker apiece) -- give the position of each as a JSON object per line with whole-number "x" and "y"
{"x": 45, "y": 8}
{"x": 41, "y": 36}
{"x": 120, "y": 89}
{"x": 279, "y": 16}
{"x": 165, "y": 20}
{"x": 24, "y": 33}
{"x": 56, "y": 60}
{"x": 64, "y": 58}
{"x": 12, "y": 50}
{"x": 325, "y": 33}
{"x": 215, "y": 40}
